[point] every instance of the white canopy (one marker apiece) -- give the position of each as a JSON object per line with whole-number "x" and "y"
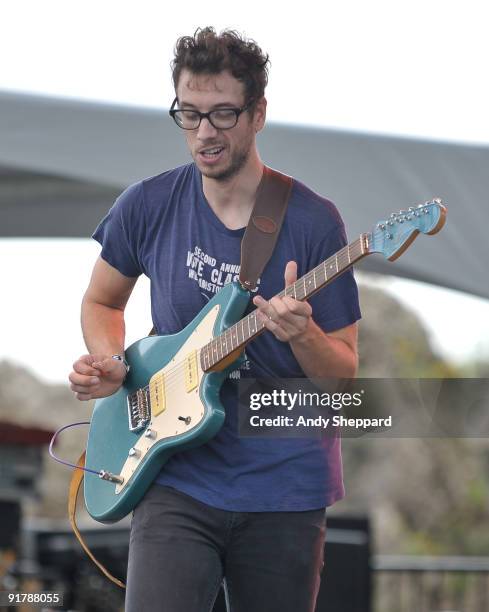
{"x": 62, "y": 162}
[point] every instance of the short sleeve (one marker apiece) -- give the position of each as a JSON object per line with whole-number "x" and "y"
{"x": 120, "y": 232}
{"x": 336, "y": 305}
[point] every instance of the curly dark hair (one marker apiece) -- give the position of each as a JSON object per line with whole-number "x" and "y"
{"x": 209, "y": 53}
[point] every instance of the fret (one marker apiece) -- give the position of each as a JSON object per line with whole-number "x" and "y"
{"x": 249, "y": 330}
{"x": 259, "y": 324}
{"x": 348, "y": 253}
{"x": 354, "y": 246}
{"x": 358, "y": 248}
{"x": 309, "y": 283}
{"x": 324, "y": 277}
{"x": 331, "y": 268}
{"x": 365, "y": 243}
{"x": 252, "y": 316}
{"x": 314, "y": 277}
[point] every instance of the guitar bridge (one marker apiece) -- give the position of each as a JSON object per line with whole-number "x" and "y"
{"x": 139, "y": 409}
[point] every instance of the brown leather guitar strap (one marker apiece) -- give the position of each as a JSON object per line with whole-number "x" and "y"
{"x": 256, "y": 249}
{"x": 75, "y": 483}
{"x": 264, "y": 225}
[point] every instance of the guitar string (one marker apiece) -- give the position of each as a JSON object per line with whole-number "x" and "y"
{"x": 173, "y": 376}
{"x": 343, "y": 261}
{"x": 175, "y": 373}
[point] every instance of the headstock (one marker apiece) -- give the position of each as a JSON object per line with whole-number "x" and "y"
{"x": 393, "y": 236}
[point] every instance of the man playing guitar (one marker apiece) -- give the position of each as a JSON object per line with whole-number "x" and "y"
{"x": 251, "y": 511}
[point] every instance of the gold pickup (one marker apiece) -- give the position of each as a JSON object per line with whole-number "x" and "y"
{"x": 157, "y": 394}
{"x": 191, "y": 372}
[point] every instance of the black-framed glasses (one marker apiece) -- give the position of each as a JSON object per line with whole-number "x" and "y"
{"x": 220, "y": 118}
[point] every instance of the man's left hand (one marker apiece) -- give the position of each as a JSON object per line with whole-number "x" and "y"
{"x": 285, "y": 317}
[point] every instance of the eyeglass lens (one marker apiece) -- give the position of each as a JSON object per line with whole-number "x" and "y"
{"x": 219, "y": 118}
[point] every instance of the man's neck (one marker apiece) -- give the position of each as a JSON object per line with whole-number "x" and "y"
{"x": 233, "y": 200}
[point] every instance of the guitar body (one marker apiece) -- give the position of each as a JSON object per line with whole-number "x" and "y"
{"x": 187, "y": 412}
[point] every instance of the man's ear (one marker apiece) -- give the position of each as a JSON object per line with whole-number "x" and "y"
{"x": 260, "y": 114}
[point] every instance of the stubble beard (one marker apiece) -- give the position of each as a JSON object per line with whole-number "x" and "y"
{"x": 237, "y": 163}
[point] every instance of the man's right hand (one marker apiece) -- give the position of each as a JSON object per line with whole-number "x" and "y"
{"x": 95, "y": 376}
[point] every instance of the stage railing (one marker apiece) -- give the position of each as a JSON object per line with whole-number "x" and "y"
{"x": 430, "y": 584}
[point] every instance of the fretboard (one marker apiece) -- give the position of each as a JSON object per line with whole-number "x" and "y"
{"x": 239, "y": 334}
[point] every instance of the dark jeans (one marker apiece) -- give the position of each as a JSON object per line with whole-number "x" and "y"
{"x": 180, "y": 550}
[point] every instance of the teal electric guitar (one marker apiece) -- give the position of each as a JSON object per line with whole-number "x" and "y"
{"x": 170, "y": 398}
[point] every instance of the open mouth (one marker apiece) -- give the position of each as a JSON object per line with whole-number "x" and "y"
{"x": 212, "y": 153}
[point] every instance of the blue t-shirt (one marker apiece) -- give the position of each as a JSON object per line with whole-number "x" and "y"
{"x": 164, "y": 227}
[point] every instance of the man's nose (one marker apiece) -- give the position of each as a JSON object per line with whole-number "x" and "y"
{"x": 206, "y": 130}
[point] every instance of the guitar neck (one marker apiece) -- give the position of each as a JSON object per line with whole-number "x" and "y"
{"x": 235, "y": 338}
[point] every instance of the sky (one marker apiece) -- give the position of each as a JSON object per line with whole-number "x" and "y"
{"x": 383, "y": 66}
{"x": 413, "y": 68}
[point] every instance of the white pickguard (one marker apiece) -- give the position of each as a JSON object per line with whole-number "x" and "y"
{"x": 178, "y": 401}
